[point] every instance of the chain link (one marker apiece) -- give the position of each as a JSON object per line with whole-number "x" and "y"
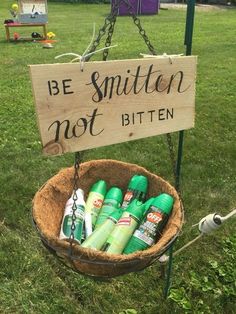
{"x": 143, "y": 34}
{"x": 110, "y": 21}
{"x": 96, "y": 42}
{"x": 74, "y": 197}
{"x": 114, "y": 14}
{"x": 108, "y": 40}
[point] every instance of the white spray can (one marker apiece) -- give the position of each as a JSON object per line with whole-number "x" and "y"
{"x": 65, "y": 232}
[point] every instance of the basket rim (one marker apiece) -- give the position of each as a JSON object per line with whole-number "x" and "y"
{"x": 81, "y": 253}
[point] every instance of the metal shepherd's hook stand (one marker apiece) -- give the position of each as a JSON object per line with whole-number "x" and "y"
{"x": 188, "y": 43}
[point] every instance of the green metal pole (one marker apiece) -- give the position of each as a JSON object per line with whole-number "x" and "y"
{"x": 188, "y": 42}
{"x": 189, "y": 26}
{"x": 169, "y": 271}
{"x": 179, "y": 160}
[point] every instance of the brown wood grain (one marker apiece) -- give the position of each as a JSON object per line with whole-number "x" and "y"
{"x": 112, "y": 102}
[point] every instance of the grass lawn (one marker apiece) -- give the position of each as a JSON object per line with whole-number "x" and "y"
{"x": 204, "y": 276}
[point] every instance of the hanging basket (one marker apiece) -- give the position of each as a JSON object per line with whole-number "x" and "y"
{"x": 48, "y": 209}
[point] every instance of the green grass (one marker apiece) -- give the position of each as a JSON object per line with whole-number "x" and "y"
{"x": 31, "y": 280}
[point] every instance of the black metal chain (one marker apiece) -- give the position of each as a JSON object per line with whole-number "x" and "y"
{"x": 108, "y": 40}
{"x": 110, "y": 21}
{"x": 101, "y": 33}
{"x": 114, "y": 14}
{"x": 74, "y": 197}
{"x": 142, "y": 32}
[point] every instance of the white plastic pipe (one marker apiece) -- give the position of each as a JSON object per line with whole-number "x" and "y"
{"x": 213, "y": 221}
{"x": 206, "y": 225}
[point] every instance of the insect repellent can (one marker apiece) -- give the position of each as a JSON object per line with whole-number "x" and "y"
{"x": 67, "y": 220}
{"x": 93, "y": 205}
{"x": 98, "y": 238}
{"x": 111, "y": 202}
{"x": 137, "y": 189}
{"x": 124, "y": 228}
{"x": 152, "y": 225}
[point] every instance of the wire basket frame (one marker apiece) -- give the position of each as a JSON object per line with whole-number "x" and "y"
{"x": 48, "y": 210}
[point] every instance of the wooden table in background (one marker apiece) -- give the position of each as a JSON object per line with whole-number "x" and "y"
{"x": 10, "y": 25}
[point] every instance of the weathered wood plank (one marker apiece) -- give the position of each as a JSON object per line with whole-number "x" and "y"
{"x": 112, "y": 102}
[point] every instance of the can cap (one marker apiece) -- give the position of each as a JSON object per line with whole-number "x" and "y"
{"x": 136, "y": 208}
{"x": 116, "y": 214}
{"x": 132, "y": 182}
{"x": 114, "y": 193}
{"x": 138, "y": 182}
{"x": 99, "y": 187}
{"x": 164, "y": 202}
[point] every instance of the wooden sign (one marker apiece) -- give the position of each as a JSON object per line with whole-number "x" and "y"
{"x": 112, "y": 102}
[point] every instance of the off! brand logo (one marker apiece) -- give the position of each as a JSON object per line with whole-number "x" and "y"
{"x": 97, "y": 203}
{"x": 154, "y": 217}
{"x": 124, "y": 221}
{"x": 128, "y": 196}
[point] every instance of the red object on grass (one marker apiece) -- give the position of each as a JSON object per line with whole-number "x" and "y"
{"x": 16, "y": 36}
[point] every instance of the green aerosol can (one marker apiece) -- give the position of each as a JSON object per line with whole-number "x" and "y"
{"x": 152, "y": 225}
{"x": 93, "y": 205}
{"x": 137, "y": 189}
{"x": 100, "y": 235}
{"x": 111, "y": 202}
{"x": 125, "y": 227}
{"x": 67, "y": 220}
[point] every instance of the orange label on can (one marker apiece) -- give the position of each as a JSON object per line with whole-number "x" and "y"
{"x": 128, "y": 196}
{"x": 126, "y": 221}
{"x": 154, "y": 217}
{"x": 97, "y": 203}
